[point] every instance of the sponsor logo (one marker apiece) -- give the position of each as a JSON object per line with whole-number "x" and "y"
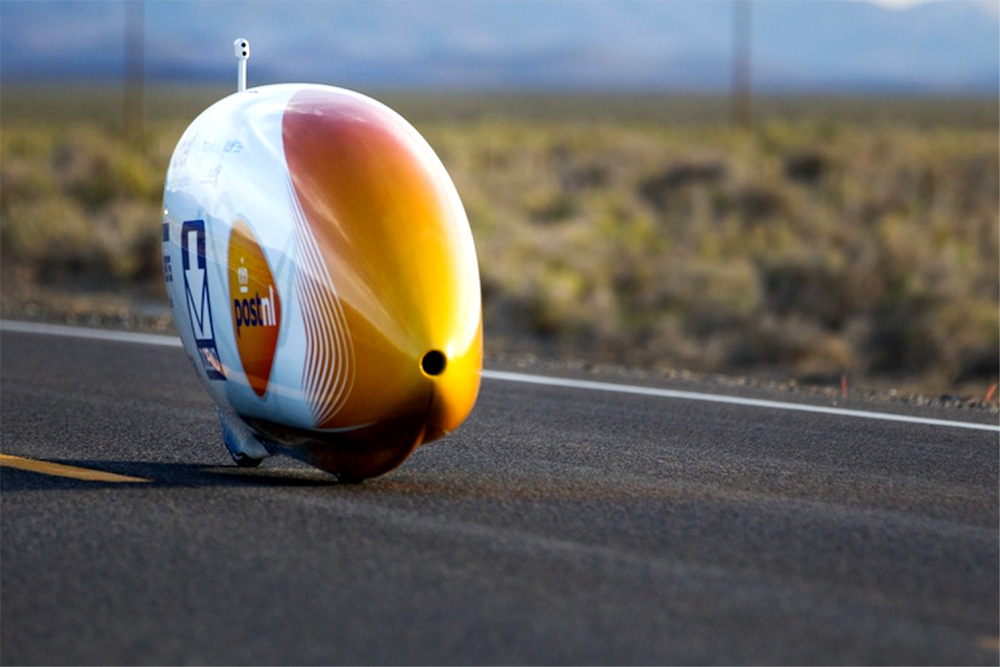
{"x": 180, "y": 156}
{"x": 196, "y": 294}
{"x": 253, "y": 310}
{"x": 256, "y": 306}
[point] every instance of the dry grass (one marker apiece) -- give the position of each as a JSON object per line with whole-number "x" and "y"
{"x": 801, "y": 249}
{"x": 806, "y": 248}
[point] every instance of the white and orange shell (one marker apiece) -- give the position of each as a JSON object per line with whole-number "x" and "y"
{"x": 323, "y": 278}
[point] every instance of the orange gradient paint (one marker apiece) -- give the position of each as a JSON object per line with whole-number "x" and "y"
{"x": 254, "y": 305}
{"x": 386, "y": 228}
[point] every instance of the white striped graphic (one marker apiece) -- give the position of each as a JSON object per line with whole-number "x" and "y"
{"x": 328, "y": 375}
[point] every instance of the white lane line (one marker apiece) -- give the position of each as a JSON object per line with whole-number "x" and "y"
{"x": 731, "y": 400}
{"x": 503, "y": 376}
{"x": 94, "y": 334}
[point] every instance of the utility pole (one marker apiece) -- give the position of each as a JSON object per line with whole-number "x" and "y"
{"x": 132, "y": 112}
{"x": 742, "y": 94}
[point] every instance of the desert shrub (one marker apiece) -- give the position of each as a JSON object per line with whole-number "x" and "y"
{"x": 96, "y": 169}
{"x": 810, "y": 249}
{"x": 79, "y": 202}
{"x": 803, "y": 247}
{"x": 52, "y": 235}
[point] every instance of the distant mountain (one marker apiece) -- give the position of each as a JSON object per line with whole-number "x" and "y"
{"x": 944, "y": 47}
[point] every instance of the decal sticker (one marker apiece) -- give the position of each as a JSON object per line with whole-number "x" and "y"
{"x": 328, "y": 376}
{"x": 168, "y": 273}
{"x": 196, "y": 294}
{"x": 256, "y": 306}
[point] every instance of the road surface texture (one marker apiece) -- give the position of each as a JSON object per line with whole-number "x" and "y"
{"x": 558, "y": 525}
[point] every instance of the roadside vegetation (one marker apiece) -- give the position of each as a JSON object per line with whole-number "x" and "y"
{"x": 819, "y": 243}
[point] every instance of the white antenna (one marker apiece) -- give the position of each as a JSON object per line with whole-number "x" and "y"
{"x": 241, "y": 47}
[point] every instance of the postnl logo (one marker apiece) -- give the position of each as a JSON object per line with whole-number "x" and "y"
{"x": 256, "y": 306}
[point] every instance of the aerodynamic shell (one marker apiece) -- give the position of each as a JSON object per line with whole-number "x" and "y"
{"x": 323, "y": 278}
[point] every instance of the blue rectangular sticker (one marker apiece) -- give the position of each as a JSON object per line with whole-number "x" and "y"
{"x": 196, "y": 293}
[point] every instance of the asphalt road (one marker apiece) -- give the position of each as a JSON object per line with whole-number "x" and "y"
{"x": 559, "y": 525}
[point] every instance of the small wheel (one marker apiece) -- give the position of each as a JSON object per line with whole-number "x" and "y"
{"x": 244, "y": 461}
{"x": 242, "y": 445}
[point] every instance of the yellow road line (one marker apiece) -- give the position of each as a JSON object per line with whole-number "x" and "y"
{"x": 61, "y": 470}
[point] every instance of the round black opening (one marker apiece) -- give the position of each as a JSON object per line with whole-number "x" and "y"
{"x": 433, "y": 363}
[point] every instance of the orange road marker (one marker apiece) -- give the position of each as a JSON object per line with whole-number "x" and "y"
{"x": 989, "y": 392}
{"x": 60, "y": 470}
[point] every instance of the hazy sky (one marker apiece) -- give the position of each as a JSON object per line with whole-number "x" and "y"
{"x": 676, "y": 44}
